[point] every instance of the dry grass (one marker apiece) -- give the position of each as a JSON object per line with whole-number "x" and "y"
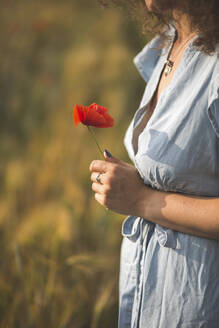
{"x": 59, "y": 249}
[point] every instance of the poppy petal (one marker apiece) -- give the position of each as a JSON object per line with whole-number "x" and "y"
{"x": 94, "y": 115}
{"x": 98, "y": 108}
{"x": 94, "y": 119}
{"x": 76, "y": 116}
{"x": 79, "y": 114}
{"x": 109, "y": 121}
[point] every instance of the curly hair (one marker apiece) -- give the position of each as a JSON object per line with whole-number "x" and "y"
{"x": 203, "y": 17}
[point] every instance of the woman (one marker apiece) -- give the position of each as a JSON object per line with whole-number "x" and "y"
{"x": 169, "y": 275}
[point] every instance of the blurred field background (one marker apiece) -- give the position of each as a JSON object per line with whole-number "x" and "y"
{"x": 59, "y": 249}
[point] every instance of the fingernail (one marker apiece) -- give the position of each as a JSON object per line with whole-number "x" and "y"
{"x": 108, "y": 154}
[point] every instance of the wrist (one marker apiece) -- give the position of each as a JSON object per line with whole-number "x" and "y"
{"x": 147, "y": 202}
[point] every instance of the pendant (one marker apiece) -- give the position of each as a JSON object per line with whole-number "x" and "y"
{"x": 168, "y": 67}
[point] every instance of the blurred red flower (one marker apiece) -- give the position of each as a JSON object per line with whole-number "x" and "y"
{"x": 93, "y": 115}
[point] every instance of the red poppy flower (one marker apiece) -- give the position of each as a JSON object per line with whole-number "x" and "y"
{"x": 93, "y": 115}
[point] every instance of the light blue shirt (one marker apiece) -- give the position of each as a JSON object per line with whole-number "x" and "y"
{"x": 169, "y": 279}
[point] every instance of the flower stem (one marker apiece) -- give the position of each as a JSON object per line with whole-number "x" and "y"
{"x": 95, "y": 139}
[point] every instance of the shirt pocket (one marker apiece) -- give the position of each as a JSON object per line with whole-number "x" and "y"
{"x": 131, "y": 241}
{"x": 130, "y": 252}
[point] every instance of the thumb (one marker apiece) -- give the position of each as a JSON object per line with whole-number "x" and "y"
{"x": 110, "y": 158}
{"x": 107, "y": 154}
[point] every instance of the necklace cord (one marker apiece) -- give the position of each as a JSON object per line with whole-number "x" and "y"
{"x": 184, "y": 43}
{"x": 170, "y": 63}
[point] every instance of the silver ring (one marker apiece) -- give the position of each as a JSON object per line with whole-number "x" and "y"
{"x": 98, "y": 178}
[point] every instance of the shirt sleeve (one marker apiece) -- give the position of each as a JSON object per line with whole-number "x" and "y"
{"x": 213, "y": 108}
{"x": 147, "y": 59}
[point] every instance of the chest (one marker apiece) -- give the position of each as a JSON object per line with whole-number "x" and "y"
{"x": 163, "y": 83}
{"x": 171, "y": 139}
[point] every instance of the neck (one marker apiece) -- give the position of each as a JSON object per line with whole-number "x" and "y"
{"x": 183, "y": 26}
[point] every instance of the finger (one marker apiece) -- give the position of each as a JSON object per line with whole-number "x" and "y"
{"x": 97, "y": 187}
{"x": 111, "y": 159}
{"x": 102, "y": 177}
{"x": 101, "y": 199}
{"x": 99, "y": 166}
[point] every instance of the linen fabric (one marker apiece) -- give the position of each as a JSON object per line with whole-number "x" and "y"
{"x": 169, "y": 279}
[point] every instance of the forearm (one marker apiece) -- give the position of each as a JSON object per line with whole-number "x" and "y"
{"x": 189, "y": 214}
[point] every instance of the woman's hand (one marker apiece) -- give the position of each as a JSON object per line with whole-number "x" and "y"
{"x": 122, "y": 190}
{"x": 119, "y": 187}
